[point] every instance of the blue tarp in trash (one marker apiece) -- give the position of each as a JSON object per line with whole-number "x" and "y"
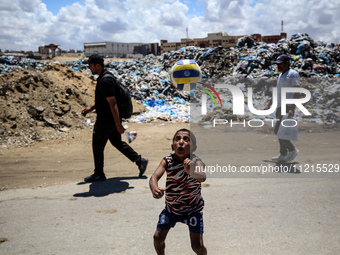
{"x": 152, "y": 103}
{"x": 156, "y": 69}
{"x": 179, "y": 100}
{"x": 207, "y": 53}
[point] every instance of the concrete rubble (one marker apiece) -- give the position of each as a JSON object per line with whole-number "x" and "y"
{"x": 42, "y": 100}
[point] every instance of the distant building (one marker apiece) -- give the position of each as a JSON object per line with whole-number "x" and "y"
{"x": 268, "y": 38}
{"x": 52, "y": 47}
{"x": 217, "y": 39}
{"x": 43, "y": 50}
{"x": 212, "y": 40}
{"x": 119, "y": 49}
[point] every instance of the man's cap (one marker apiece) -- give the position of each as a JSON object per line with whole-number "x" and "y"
{"x": 94, "y": 59}
{"x": 281, "y": 59}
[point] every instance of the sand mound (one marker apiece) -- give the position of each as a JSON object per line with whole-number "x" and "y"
{"x": 39, "y": 105}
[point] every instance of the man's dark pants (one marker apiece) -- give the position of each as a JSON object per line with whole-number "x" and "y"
{"x": 101, "y": 134}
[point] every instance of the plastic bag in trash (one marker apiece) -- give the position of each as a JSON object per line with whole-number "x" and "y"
{"x": 131, "y": 135}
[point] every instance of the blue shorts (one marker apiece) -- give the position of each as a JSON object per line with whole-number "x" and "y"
{"x": 168, "y": 220}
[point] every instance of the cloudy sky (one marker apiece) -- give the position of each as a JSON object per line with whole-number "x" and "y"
{"x": 27, "y": 24}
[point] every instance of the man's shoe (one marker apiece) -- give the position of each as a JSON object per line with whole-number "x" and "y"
{"x": 280, "y": 158}
{"x": 95, "y": 178}
{"x": 142, "y": 166}
{"x": 292, "y": 154}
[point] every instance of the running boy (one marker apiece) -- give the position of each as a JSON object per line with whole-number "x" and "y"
{"x": 183, "y": 200}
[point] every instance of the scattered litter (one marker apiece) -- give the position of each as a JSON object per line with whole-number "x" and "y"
{"x": 131, "y": 135}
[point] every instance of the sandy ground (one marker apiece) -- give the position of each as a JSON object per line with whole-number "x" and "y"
{"x": 46, "y": 208}
{"x": 70, "y": 160}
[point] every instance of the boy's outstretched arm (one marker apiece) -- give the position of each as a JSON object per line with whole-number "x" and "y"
{"x": 156, "y": 191}
{"x": 194, "y": 169}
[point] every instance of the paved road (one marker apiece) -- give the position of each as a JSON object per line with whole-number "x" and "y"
{"x": 241, "y": 216}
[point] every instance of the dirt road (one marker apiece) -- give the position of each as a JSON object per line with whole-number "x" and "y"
{"x": 46, "y": 208}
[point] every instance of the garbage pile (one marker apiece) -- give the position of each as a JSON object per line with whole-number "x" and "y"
{"x": 35, "y": 94}
{"x": 249, "y": 65}
{"x": 324, "y": 104}
{"x": 11, "y": 63}
{"x": 309, "y": 57}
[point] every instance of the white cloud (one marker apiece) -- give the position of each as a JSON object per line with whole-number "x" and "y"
{"x": 27, "y": 24}
{"x": 28, "y": 5}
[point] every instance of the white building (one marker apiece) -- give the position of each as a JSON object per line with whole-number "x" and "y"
{"x": 119, "y": 49}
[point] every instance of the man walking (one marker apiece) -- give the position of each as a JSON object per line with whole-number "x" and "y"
{"x": 287, "y": 78}
{"x": 108, "y": 124}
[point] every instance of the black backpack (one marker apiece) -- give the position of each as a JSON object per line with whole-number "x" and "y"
{"x": 124, "y": 101}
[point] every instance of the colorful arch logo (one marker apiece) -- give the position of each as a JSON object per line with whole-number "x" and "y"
{"x": 210, "y": 94}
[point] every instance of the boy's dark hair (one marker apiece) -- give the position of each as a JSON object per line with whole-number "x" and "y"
{"x": 192, "y": 136}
